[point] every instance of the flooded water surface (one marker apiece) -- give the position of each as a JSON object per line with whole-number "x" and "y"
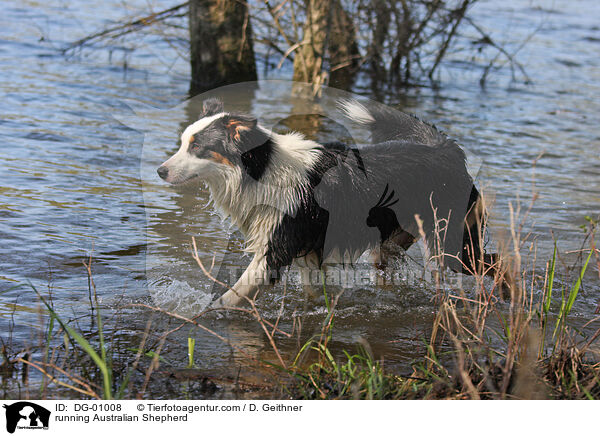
{"x": 83, "y": 132}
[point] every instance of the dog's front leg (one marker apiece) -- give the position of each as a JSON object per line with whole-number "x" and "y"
{"x": 307, "y": 266}
{"x": 256, "y": 274}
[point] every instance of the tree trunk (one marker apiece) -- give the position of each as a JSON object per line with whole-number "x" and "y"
{"x": 404, "y": 29}
{"x": 383, "y": 15}
{"x": 308, "y": 61}
{"x": 220, "y": 44}
{"x": 343, "y": 48}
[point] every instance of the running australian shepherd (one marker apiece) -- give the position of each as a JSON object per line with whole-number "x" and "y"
{"x": 296, "y": 200}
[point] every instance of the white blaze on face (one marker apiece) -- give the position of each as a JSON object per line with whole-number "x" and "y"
{"x": 196, "y": 127}
{"x": 182, "y": 165}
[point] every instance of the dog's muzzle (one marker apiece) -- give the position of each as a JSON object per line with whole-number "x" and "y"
{"x": 163, "y": 172}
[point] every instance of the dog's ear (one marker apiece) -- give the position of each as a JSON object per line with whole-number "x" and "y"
{"x": 212, "y": 106}
{"x": 237, "y": 126}
{"x": 256, "y": 160}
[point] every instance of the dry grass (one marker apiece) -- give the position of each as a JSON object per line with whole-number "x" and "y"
{"x": 480, "y": 346}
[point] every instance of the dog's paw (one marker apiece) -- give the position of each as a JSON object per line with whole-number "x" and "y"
{"x": 228, "y": 299}
{"x": 217, "y": 304}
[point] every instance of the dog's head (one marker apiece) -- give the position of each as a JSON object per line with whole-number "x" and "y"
{"x": 218, "y": 142}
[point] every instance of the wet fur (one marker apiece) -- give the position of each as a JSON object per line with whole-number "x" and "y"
{"x": 299, "y": 201}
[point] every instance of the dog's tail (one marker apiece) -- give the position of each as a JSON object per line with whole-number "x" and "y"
{"x": 388, "y": 124}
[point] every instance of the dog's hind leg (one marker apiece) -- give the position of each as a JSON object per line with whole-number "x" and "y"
{"x": 474, "y": 258}
{"x": 257, "y": 274}
{"x": 476, "y": 261}
{"x": 393, "y": 247}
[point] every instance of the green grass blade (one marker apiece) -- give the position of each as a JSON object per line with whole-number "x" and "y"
{"x": 304, "y": 347}
{"x": 577, "y": 285}
{"x": 149, "y": 354}
{"x": 191, "y": 346}
{"x": 103, "y": 351}
{"x": 550, "y": 282}
{"x": 560, "y": 313}
{"x": 83, "y": 343}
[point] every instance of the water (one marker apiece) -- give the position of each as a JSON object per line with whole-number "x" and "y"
{"x": 77, "y": 181}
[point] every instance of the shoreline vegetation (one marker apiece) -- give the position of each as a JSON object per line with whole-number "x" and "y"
{"x": 479, "y": 346}
{"x": 322, "y": 42}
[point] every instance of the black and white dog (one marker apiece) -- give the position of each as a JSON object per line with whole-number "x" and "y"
{"x": 296, "y": 200}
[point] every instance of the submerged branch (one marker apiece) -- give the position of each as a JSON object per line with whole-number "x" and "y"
{"x": 130, "y": 26}
{"x": 487, "y": 39}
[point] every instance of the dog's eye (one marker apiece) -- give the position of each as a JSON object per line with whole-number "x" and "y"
{"x": 194, "y": 146}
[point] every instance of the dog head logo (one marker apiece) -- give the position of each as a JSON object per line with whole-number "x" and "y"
{"x": 26, "y": 415}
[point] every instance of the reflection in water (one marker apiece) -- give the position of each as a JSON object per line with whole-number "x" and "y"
{"x": 72, "y": 181}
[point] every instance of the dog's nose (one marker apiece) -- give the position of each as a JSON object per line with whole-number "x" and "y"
{"x": 163, "y": 172}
